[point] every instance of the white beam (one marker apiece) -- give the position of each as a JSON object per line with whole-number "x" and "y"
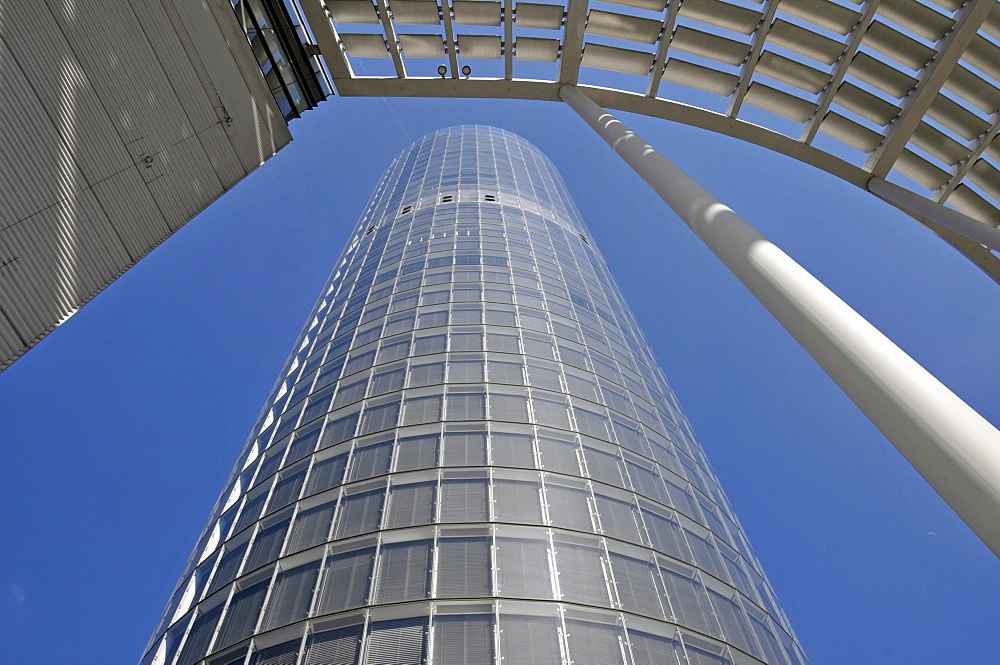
{"x": 950, "y": 49}
{"x": 326, "y": 39}
{"x": 839, "y": 72}
{"x": 963, "y": 168}
{"x": 917, "y": 205}
{"x": 659, "y": 60}
{"x": 508, "y": 39}
{"x": 449, "y": 34}
{"x": 954, "y": 448}
{"x": 572, "y": 49}
{"x": 391, "y": 38}
{"x": 750, "y": 64}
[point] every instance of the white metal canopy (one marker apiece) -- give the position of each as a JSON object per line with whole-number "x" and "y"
{"x": 900, "y": 90}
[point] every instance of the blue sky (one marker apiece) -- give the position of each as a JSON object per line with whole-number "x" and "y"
{"x": 120, "y": 428}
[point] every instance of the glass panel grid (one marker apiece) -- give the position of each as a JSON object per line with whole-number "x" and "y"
{"x": 472, "y": 414}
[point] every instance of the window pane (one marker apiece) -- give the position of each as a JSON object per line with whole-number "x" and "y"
{"x": 371, "y": 460}
{"x": 581, "y": 576}
{"x": 346, "y": 580}
{"x": 466, "y": 371}
{"x": 327, "y": 474}
{"x": 466, "y": 405}
{"x": 509, "y": 408}
{"x": 638, "y": 584}
{"x": 734, "y": 621}
{"x": 201, "y": 632}
{"x": 422, "y": 409}
{"x": 463, "y": 639}
{"x": 648, "y": 649}
{"x": 464, "y": 448}
{"x": 311, "y": 527}
{"x": 241, "y": 617}
{"x": 529, "y": 640}
{"x": 267, "y": 545}
{"x": 617, "y": 518}
{"x": 518, "y": 501}
{"x": 228, "y": 567}
{"x": 286, "y": 491}
{"x": 335, "y": 647}
{"x": 689, "y": 601}
{"x": 280, "y": 654}
{"x": 388, "y": 380}
{"x": 416, "y": 452}
{"x": 410, "y": 505}
{"x": 506, "y": 371}
{"x": 523, "y": 566}
{"x": 359, "y": 513}
{"x": 463, "y": 568}
{"x": 398, "y": 642}
{"x": 404, "y": 571}
{"x": 464, "y": 501}
{"x": 305, "y": 443}
{"x": 512, "y": 450}
{"x": 593, "y": 643}
{"x": 558, "y": 455}
{"x": 426, "y": 374}
{"x": 551, "y": 412}
{"x": 350, "y": 393}
{"x": 292, "y": 595}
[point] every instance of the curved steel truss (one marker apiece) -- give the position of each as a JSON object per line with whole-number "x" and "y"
{"x": 900, "y": 90}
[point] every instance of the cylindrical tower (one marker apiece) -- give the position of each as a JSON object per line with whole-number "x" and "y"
{"x": 471, "y": 457}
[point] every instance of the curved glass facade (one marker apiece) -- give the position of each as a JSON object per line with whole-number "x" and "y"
{"x": 472, "y": 457}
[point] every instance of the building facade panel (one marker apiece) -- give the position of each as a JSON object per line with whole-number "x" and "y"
{"x": 471, "y": 456}
{"x": 121, "y": 121}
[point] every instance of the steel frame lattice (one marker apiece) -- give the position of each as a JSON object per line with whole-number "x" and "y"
{"x": 903, "y": 90}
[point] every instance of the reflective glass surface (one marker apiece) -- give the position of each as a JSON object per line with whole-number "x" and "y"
{"x": 471, "y": 456}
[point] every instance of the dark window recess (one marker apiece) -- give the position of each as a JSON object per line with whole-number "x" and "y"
{"x": 284, "y": 59}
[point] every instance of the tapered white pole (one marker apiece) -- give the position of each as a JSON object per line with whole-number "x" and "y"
{"x": 954, "y": 448}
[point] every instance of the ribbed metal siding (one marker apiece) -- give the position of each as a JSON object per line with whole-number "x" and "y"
{"x": 88, "y": 92}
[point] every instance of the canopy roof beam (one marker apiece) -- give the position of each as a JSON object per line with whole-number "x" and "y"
{"x": 659, "y": 60}
{"x": 390, "y": 37}
{"x": 963, "y": 168}
{"x": 839, "y": 72}
{"x": 508, "y": 39}
{"x": 327, "y": 40}
{"x": 572, "y": 49}
{"x": 970, "y": 18}
{"x": 750, "y": 64}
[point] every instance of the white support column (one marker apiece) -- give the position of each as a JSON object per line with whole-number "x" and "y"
{"x": 954, "y": 448}
{"x": 971, "y": 228}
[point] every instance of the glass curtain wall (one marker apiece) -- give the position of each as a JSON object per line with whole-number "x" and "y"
{"x": 472, "y": 457}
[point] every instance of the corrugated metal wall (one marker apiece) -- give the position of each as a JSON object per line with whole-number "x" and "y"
{"x": 120, "y": 120}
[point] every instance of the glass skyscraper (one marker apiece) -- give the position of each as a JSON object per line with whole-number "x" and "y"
{"x": 471, "y": 457}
